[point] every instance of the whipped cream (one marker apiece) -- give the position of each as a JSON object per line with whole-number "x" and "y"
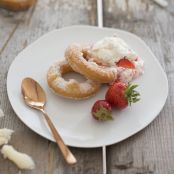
{"x": 111, "y": 49}
{"x": 127, "y": 75}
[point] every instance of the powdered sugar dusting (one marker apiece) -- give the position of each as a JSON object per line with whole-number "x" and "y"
{"x": 86, "y": 86}
{"x": 60, "y": 82}
{"x": 63, "y": 84}
{"x": 55, "y": 68}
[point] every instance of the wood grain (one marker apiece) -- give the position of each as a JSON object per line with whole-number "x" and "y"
{"x": 150, "y": 151}
{"x": 30, "y": 25}
{"x": 8, "y": 24}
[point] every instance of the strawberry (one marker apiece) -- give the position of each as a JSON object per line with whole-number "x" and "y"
{"x": 102, "y": 110}
{"x": 125, "y": 63}
{"x": 120, "y": 95}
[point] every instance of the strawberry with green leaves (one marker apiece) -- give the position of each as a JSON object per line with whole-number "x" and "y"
{"x": 102, "y": 110}
{"x": 121, "y": 94}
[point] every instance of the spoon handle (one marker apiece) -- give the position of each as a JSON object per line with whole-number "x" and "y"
{"x": 69, "y": 157}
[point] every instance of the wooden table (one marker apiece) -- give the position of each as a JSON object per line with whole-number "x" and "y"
{"x": 150, "y": 151}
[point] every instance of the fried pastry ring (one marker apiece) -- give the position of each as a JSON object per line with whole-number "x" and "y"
{"x": 69, "y": 88}
{"x": 74, "y": 54}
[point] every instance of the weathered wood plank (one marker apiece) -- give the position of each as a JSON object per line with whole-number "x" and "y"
{"x": 8, "y": 24}
{"x": 48, "y": 15}
{"x": 151, "y": 150}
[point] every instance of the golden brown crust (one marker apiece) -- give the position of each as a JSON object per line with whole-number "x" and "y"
{"x": 16, "y": 5}
{"x": 91, "y": 70}
{"x": 71, "y": 88}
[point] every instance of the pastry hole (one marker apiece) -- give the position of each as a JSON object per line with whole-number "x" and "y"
{"x": 74, "y": 75}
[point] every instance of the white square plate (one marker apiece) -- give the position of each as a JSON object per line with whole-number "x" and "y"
{"x": 73, "y": 118}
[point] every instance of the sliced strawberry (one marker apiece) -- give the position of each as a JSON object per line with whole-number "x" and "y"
{"x": 125, "y": 63}
{"x": 120, "y": 95}
{"x": 102, "y": 110}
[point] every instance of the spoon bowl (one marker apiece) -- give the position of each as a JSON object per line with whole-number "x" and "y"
{"x": 33, "y": 93}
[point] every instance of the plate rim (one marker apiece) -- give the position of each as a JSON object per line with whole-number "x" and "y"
{"x": 94, "y": 27}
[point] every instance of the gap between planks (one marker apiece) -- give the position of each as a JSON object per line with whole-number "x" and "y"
{"x": 100, "y": 25}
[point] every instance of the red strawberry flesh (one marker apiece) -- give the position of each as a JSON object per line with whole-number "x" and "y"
{"x": 125, "y": 63}
{"x": 116, "y": 98}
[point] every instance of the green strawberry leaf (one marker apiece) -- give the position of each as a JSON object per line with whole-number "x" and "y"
{"x": 131, "y": 94}
{"x": 103, "y": 114}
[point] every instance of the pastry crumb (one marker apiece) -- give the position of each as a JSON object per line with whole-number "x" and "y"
{"x": 5, "y": 135}
{"x": 22, "y": 160}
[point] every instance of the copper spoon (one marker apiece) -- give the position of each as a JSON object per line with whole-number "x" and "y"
{"x": 34, "y": 96}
